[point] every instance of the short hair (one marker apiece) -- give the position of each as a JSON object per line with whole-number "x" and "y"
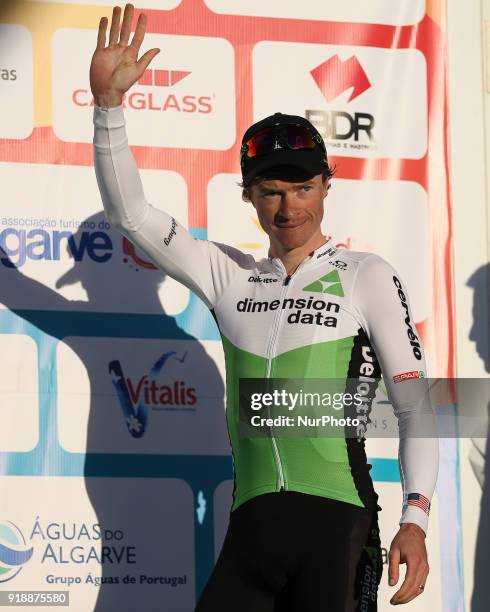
{"x": 327, "y": 174}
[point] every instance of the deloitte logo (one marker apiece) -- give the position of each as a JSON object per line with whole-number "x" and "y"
{"x": 14, "y": 552}
{"x": 330, "y": 283}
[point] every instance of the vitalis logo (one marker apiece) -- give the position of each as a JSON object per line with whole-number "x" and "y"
{"x": 14, "y": 552}
{"x": 136, "y": 398}
{"x": 333, "y": 77}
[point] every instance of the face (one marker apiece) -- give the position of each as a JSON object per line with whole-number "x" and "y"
{"x": 290, "y": 212}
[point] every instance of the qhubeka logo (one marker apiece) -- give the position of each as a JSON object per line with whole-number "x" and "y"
{"x": 14, "y": 551}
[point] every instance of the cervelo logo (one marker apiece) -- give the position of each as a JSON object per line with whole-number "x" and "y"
{"x": 333, "y": 77}
{"x": 14, "y": 551}
{"x": 412, "y": 336}
{"x": 136, "y": 397}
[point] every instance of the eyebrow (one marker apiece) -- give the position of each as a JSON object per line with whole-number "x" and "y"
{"x": 299, "y": 184}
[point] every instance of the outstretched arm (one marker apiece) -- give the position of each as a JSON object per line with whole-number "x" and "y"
{"x": 204, "y": 267}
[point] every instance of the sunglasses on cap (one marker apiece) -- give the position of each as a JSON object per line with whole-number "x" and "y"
{"x": 285, "y": 136}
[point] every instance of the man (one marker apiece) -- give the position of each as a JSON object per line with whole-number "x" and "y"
{"x": 303, "y": 532}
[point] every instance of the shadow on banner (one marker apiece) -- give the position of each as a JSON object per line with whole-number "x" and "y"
{"x": 131, "y": 389}
{"x": 480, "y": 335}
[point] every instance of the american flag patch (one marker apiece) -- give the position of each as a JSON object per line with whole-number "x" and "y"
{"x": 419, "y": 500}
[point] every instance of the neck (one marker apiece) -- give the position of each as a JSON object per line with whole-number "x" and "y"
{"x": 291, "y": 258}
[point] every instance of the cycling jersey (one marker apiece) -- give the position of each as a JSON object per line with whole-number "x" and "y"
{"x": 342, "y": 314}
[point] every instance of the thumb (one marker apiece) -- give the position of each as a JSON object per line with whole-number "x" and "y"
{"x": 145, "y": 59}
{"x": 394, "y": 566}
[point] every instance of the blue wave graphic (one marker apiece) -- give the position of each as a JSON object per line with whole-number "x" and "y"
{"x": 11, "y": 557}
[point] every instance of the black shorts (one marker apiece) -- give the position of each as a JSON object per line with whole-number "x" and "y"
{"x": 292, "y": 552}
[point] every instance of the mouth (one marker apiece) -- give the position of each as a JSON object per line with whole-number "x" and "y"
{"x": 290, "y": 226}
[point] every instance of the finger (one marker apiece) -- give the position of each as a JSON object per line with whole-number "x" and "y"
{"x": 416, "y": 591}
{"x": 102, "y": 32}
{"x": 408, "y": 584}
{"x": 114, "y": 33}
{"x": 394, "y": 566}
{"x": 145, "y": 59}
{"x": 126, "y": 24}
{"x": 139, "y": 33}
{"x": 415, "y": 576}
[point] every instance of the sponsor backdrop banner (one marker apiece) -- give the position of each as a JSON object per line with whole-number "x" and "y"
{"x": 114, "y": 453}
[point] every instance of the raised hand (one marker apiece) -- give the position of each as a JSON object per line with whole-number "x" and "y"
{"x": 115, "y": 67}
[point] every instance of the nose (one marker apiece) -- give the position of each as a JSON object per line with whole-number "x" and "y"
{"x": 289, "y": 205}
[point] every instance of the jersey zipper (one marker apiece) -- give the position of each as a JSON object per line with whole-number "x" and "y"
{"x": 270, "y": 352}
{"x": 272, "y": 342}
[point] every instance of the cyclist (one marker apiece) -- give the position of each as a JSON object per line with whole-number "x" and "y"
{"x": 303, "y": 531}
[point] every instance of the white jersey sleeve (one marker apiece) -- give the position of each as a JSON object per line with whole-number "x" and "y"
{"x": 203, "y": 266}
{"x": 381, "y": 301}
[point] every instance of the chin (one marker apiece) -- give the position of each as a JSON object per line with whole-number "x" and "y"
{"x": 292, "y": 244}
{"x": 294, "y": 241}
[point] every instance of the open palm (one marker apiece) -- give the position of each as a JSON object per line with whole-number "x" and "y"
{"x": 116, "y": 67}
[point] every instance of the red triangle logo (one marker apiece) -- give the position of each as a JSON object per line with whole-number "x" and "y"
{"x": 334, "y": 76}
{"x": 177, "y": 75}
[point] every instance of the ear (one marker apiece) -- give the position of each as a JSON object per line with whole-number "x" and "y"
{"x": 326, "y": 187}
{"x": 248, "y": 200}
{"x": 247, "y": 196}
